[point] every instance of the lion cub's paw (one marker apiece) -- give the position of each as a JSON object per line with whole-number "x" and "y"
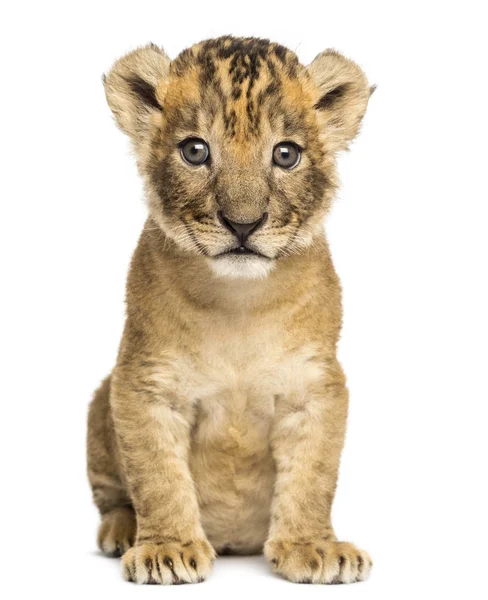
{"x": 321, "y": 562}
{"x": 117, "y": 531}
{"x": 170, "y": 563}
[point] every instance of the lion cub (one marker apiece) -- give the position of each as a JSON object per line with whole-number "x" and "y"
{"x": 221, "y": 426}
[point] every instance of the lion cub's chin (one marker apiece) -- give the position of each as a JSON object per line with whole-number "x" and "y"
{"x": 241, "y": 267}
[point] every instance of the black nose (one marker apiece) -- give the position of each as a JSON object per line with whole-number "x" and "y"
{"x": 242, "y": 231}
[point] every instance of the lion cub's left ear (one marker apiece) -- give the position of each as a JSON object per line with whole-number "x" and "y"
{"x": 342, "y": 97}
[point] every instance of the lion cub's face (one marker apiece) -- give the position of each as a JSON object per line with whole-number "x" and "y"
{"x": 236, "y": 142}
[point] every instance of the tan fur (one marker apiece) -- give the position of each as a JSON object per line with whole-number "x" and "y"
{"x": 221, "y": 426}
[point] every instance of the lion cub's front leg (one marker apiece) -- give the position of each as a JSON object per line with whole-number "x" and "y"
{"x": 153, "y": 430}
{"x": 307, "y": 441}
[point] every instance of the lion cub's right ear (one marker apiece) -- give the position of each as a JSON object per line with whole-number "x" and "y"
{"x": 134, "y": 87}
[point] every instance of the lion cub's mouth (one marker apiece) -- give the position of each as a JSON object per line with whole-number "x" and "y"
{"x": 241, "y": 251}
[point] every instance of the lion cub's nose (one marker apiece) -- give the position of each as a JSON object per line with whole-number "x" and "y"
{"x": 242, "y": 231}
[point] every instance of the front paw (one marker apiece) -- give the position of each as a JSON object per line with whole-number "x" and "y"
{"x": 318, "y": 562}
{"x": 168, "y": 564}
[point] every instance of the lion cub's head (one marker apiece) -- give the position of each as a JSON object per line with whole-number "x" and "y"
{"x": 236, "y": 142}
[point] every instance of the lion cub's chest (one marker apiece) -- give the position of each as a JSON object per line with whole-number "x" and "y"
{"x": 239, "y": 376}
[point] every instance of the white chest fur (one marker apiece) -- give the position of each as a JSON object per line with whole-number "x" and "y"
{"x": 239, "y": 373}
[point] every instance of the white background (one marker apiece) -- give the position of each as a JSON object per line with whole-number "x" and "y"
{"x": 409, "y": 238}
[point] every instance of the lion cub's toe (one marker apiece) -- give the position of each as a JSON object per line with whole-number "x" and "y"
{"x": 320, "y": 562}
{"x": 117, "y": 531}
{"x": 167, "y": 564}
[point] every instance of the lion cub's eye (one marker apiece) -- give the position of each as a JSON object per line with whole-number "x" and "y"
{"x": 194, "y": 151}
{"x": 286, "y": 155}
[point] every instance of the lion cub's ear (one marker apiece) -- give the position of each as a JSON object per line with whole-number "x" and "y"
{"x": 133, "y": 88}
{"x": 342, "y": 97}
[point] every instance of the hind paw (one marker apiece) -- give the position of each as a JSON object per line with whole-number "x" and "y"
{"x": 117, "y": 531}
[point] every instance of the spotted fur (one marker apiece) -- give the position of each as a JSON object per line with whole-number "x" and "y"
{"x": 221, "y": 425}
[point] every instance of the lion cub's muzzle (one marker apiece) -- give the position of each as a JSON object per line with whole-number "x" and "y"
{"x": 242, "y": 231}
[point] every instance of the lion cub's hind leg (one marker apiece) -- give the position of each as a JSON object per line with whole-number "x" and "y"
{"x": 117, "y": 531}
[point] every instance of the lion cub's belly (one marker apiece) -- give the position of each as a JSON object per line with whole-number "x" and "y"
{"x": 237, "y": 389}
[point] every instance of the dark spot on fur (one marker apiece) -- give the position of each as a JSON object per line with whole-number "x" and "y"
{"x": 271, "y": 68}
{"x": 208, "y": 69}
{"x": 280, "y": 52}
{"x": 181, "y": 63}
{"x": 314, "y": 564}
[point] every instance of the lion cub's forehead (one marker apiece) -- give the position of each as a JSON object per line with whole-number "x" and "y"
{"x": 245, "y": 85}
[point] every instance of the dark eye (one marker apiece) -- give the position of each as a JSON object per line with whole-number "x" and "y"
{"x": 286, "y": 155}
{"x": 194, "y": 151}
